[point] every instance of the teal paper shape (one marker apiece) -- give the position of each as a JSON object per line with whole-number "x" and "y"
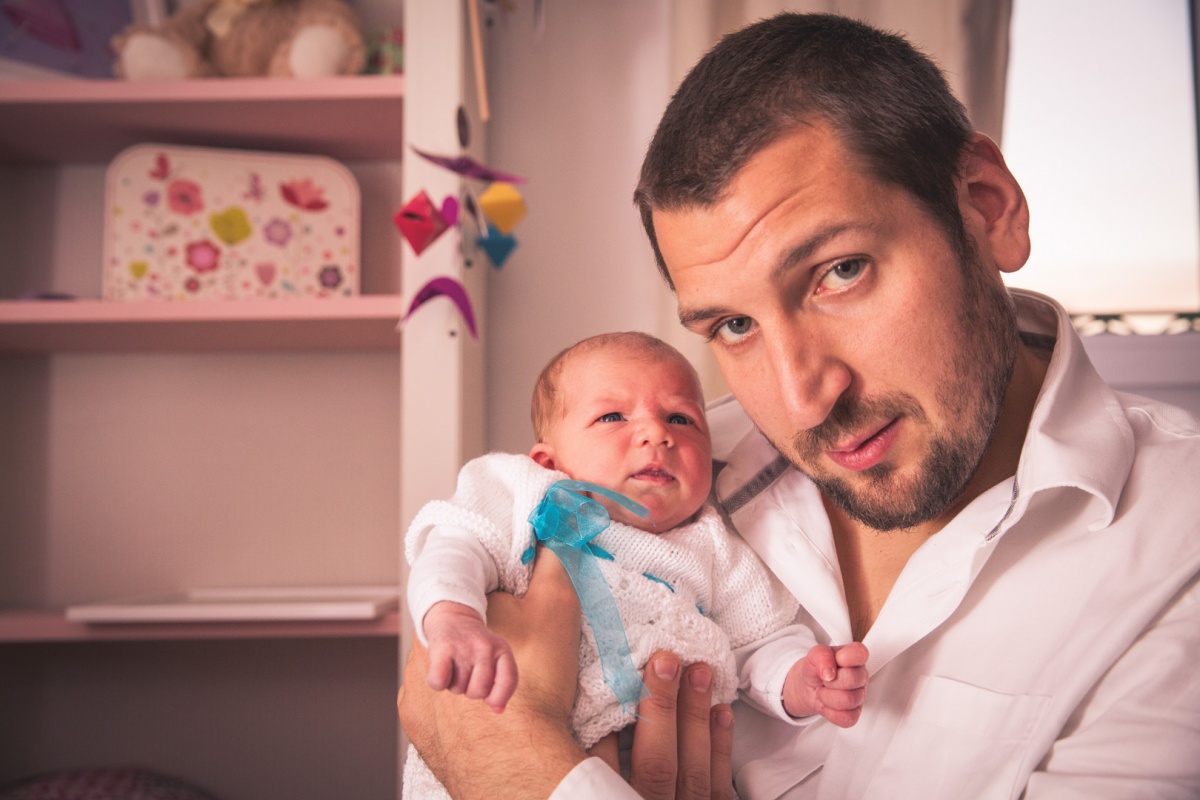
{"x": 497, "y": 245}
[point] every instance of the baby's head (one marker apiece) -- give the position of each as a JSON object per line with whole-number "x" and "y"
{"x": 625, "y": 411}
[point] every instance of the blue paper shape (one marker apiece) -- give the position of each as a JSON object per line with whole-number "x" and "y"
{"x": 497, "y": 245}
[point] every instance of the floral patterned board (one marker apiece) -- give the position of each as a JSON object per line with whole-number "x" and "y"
{"x": 183, "y": 223}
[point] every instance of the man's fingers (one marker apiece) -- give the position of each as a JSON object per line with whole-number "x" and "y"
{"x": 607, "y": 751}
{"x": 654, "y": 757}
{"x": 695, "y": 751}
{"x": 721, "y": 731}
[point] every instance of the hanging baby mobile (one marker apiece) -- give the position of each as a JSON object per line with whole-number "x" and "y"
{"x": 496, "y": 211}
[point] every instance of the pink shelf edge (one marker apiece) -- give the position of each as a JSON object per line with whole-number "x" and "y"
{"x": 30, "y": 626}
{"x": 83, "y": 90}
{"x": 370, "y": 321}
{"x": 91, "y": 311}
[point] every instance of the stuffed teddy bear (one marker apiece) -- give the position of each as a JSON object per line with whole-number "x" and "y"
{"x": 244, "y": 38}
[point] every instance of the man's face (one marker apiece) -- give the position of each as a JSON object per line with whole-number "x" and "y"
{"x": 847, "y": 327}
{"x": 633, "y": 423}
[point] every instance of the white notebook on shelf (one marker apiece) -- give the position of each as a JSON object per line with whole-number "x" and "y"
{"x": 246, "y": 605}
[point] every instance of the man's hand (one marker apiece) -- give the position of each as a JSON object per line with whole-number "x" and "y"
{"x": 473, "y": 752}
{"x": 830, "y": 681}
{"x": 682, "y": 744}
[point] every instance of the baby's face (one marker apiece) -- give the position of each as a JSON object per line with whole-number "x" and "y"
{"x": 635, "y": 425}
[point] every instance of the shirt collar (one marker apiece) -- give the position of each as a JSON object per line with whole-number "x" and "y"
{"x": 1078, "y": 435}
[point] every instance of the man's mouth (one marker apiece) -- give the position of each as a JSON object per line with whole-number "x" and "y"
{"x": 866, "y": 452}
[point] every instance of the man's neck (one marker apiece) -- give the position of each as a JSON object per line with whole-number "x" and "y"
{"x": 872, "y": 560}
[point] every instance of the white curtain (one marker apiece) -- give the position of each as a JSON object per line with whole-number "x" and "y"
{"x": 967, "y": 38}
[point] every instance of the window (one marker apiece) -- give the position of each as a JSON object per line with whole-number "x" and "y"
{"x": 1100, "y": 129}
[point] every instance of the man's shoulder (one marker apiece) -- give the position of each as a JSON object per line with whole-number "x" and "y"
{"x": 728, "y": 424}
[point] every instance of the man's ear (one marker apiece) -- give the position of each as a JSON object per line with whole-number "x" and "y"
{"x": 543, "y": 454}
{"x": 993, "y": 206}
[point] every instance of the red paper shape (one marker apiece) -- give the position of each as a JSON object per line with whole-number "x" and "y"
{"x": 420, "y": 222}
{"x": 445, "y": 287}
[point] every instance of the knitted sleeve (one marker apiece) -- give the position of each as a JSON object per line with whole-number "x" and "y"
{"x": 492, "y": 501}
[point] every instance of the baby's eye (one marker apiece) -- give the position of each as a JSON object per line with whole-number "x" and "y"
{"x": 679, "y": 419}
{"x": 612, "y": 416}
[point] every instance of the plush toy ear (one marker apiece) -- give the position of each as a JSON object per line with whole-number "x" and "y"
{"x": 993, "y": 205}
{"x": 144, "y": 54}
{"x": 325, "y": 40}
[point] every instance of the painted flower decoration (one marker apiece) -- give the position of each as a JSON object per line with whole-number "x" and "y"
{"x": 203, "y": 256}
{"x": 304, "y": 194}
{"x": 231, "y": 225}
{"x": 184, "y": 197}
{"x": 330, "y": 277}
{"x": 278, "y": 232}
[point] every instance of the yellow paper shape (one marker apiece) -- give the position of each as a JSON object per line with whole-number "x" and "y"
{"x": 503, "y": 205}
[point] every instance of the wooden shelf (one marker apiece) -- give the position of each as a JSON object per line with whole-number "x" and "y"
{"x": 53, "y": 626}
{"x": 348, "y": 118}
{"x": 368, "y": 322}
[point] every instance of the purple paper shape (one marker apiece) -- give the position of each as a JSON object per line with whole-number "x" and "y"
{"x": 450, "y": 210}
{"x": 445, "y": 286}
{"x": 469, "y": 167}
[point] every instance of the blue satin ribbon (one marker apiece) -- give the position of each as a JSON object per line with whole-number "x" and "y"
{"x": 567, "y": 521}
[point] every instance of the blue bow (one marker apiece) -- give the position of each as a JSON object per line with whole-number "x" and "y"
{"x": 567, "y": 521}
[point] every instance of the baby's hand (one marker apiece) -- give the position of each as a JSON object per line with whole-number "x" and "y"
{"x": 467, "y": 658}
{"x": 830, "y": 681}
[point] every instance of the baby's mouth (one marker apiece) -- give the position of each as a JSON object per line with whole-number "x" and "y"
{"x": 654, "y": 474}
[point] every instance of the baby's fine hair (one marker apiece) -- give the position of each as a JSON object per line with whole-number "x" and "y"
{"x": 547, "y": 406}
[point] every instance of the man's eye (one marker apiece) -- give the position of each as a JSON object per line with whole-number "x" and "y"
{"x": 679, "y": 419}
{"x": 611, "y": 416}
{"x": 734, "y": 329}
{"x": 843, "y": 273}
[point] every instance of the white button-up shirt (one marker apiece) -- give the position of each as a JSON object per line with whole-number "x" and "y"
{"x": 1045, "y": 643}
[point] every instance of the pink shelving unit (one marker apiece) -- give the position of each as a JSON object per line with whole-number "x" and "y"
{"x": 91, "y": 120}
{"x": 148, "y": 448}
{"x": 53, "y": 129}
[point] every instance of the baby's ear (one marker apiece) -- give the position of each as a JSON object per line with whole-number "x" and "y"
{"x": 543, "y": 454}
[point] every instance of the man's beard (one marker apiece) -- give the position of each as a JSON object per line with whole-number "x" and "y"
{"x": 974, "y": 393}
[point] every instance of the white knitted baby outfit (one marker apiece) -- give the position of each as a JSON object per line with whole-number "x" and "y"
{"x": 696, "y": 590}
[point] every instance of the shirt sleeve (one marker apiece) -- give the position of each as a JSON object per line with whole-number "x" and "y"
{"x": 451, "y": 566}
{"x": 763, "y": 667}
{"x": 591, "y": 779}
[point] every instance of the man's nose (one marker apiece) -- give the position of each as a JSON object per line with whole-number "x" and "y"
{"x": 809, "y": 375}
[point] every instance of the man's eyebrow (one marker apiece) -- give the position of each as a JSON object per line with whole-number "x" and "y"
{"x": 809, "y": 247}
{"x": 797, "y": 255}
{"x": 693, "y": 316}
